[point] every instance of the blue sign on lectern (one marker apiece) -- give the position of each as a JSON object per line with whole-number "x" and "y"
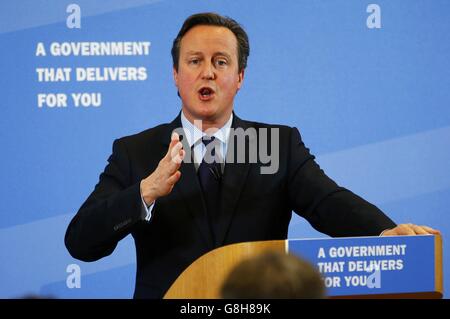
{"x": 372, "y": 265}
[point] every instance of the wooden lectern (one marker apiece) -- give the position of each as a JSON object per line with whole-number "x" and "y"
{"x": 203, "y": 278}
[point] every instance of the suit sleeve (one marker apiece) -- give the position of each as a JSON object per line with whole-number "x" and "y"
{"x": 109, "y": 213}
{"x": 329, "y": 208}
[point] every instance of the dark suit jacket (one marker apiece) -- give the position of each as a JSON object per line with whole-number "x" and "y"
{"x": 254, "y": 206}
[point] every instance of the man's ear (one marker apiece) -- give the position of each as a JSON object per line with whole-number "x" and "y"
{"x": 175, "y": 76}
{"x": 240, "y": 79}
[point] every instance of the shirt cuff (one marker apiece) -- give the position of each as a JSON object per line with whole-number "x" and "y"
{"x": 146, "y": 211}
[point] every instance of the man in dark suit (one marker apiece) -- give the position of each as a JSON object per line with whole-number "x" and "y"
{"x": 182, "y": 198}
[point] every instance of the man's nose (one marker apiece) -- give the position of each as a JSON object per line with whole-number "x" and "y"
{"x": 208, "y": 72}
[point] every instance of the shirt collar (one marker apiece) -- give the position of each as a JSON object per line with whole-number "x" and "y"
{"x": 194, "y": 134}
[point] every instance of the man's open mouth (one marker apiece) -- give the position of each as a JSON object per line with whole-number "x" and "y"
{"x": 206, "y": 93}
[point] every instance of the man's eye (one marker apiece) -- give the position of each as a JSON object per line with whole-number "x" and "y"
{"x": 221, "y": 62}
{"x": 194, "y": 61}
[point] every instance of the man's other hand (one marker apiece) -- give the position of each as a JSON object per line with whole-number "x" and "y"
{"x": 161, "y": 181}
{"x": 410, "y": 229}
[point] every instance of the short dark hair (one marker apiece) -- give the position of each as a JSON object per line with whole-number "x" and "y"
{"x": 214, "y": 19}
{"x": 273, "y": 275}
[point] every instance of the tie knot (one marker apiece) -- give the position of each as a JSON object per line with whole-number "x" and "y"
{"x": 207, "y": 139}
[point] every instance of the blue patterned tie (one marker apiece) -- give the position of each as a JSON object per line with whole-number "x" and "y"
{"x": 209, "y": 174}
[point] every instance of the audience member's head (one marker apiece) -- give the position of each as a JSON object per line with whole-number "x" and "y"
{"x": 273, "y": 275}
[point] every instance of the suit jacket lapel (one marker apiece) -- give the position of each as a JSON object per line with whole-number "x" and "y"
{"x": 233, "y": 181}
{"x": 189, "y": 188}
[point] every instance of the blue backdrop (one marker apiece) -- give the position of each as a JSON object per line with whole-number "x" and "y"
{"x": 371, "y": 103}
